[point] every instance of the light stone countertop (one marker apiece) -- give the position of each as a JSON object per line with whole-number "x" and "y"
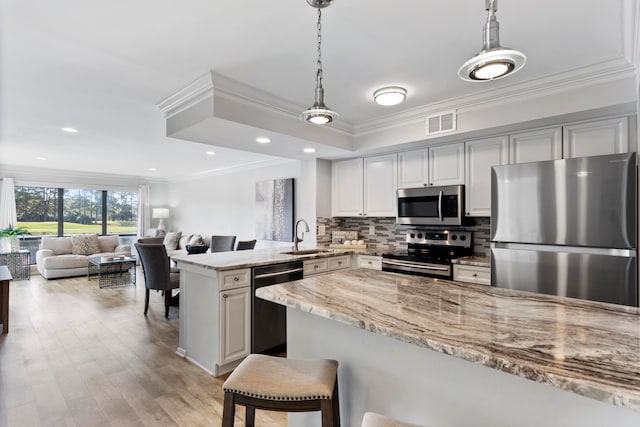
{"x": 251, "y": 258}
{"x": 588, "y": 348}
{"x": 475, "y": 260}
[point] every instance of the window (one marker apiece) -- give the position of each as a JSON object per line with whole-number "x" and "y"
{"x": 66, "y": 211}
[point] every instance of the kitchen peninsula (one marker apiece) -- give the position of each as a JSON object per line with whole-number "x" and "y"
{"x": 215, "y": 301}
{"x": 554, "y": 361}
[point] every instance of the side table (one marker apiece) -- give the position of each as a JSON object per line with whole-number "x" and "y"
{"x": 5, "y": 277}
{"x": 18, "y": 263}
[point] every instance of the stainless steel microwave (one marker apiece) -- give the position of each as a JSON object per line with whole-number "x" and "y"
{"x": 431, "y": 205}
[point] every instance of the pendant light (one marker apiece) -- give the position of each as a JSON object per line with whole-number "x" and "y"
{"x": 318, "y": 113}
{"x": 493, "y": 61}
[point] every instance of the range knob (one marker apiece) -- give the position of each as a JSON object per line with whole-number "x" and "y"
{"x": 413, "y": 235}
{"x": 463, "y": 237}
{"x": 419, "y": 235}
{"x": 455, "y": 237}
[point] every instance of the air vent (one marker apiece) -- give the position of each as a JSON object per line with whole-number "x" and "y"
{"x": 441, "y": 122}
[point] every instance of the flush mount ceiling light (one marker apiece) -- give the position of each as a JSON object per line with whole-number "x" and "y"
{"x": 210, "y": 153}
{"x": 391, "y": 95}
{"x": 70, "y": 130}
{"x": 318, "y": 113}
{"x": 309, "y": 150}
{"x": 263, "y": 140}
{"x": 493, "y": 61}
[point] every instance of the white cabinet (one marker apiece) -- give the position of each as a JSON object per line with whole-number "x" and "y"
{"x": 372, "y": 262}
{"x": 446, "y": 164}
{"x": 235, "y": 324}
{"x": 472, "y": 274}
{"x": 598, "y": 137}
{"x": 480, "y": 155}
{"x": 535, "y": 145}
{"x": 365, "y": 187}
{"x": 347, "y": 187}
{"x": 325, "y": 265}
{"x": 436, "y": 165}
{"x": 232, "y": 279}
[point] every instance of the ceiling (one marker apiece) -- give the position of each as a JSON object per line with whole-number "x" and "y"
{"x": 104, "y": 67}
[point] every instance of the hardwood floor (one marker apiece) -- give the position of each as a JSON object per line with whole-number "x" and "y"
{"x": 78, "y": 355}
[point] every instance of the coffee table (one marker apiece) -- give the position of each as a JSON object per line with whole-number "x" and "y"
{"x": 112, "y": 273}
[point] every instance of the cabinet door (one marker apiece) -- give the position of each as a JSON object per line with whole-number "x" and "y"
{"x": 472, "y": 274}
{"x": 235, "y": 324}
{"x": 536, "y": 145}
{"x": 480, "y": 155}
{"x": 412, "y": 168}
{"x": 370, "y": 261}
{"x": 446, "y": 164}
{"x": 380, "y": 185}
{"x": 347, "y": 186}
{"x": 596, "y": 138}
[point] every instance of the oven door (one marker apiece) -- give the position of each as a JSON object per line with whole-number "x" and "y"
{"x": 417, "y": 268}
{"x": 431, "y": 205}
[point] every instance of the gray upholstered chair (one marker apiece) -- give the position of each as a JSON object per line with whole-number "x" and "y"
{"x": 222, "y": 243}
{"x": 285, "y": 385}
{"x": 371, "y": 419}
{"x": 245, "y": 245}
{"x": 157, "y": 273}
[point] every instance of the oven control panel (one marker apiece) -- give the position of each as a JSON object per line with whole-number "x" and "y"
{"x": 440, "y": 237}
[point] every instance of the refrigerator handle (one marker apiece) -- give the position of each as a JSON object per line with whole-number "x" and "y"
{"x": 440, "y": 206}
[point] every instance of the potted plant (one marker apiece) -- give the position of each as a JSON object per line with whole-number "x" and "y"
{"x": 9, "y": 236}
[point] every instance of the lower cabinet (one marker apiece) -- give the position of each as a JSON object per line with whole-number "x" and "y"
{"x": 372, "y": 262}
{"x": 235, "y": 324}
{"x": 472, "y": 274}
{"x": 326, "y": 265}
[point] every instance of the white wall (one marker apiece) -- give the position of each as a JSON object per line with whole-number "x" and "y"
{"x": 225, "y": 204}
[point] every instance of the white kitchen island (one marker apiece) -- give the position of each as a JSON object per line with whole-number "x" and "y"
{"x": 520, "y": 359}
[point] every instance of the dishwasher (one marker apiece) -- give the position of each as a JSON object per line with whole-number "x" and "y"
{"x": 268, "y": 319}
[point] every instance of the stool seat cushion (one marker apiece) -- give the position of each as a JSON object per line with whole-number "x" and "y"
{"x": 277, "y": 378}
{"x": 371, "y": 419}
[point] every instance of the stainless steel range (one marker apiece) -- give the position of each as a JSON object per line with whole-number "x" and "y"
{"x": 429, "y": 253}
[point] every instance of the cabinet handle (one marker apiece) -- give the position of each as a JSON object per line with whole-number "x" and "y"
{"x": 339, "y": 262}
{"x": 224, "y": 295}
{"x": 235, "y": 279}
{"x": 315, "y": 266}
{"x": 425, "y": 184}
{"x": 475, "y": 274}
{"x": 370, "y": 262}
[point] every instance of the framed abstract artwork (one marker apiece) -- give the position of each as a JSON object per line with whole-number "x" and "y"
{"x": 275, "y": 209}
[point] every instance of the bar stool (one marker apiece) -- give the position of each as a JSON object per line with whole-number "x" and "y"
{"x": 371, "y": 419}
{"x": 286, "y": 385}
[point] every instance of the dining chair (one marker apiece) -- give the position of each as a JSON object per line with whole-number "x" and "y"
{"x": 222, "y": 243}
{"x": 245, "y": 245}
{"x": 157, "y": 273}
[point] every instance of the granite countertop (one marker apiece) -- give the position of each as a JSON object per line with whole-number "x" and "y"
{"x": 588, "y": 348}
{"x": 245, "y": 259}
{"x": 478, "y": 261}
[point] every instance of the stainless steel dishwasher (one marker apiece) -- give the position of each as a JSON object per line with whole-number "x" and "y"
{"x": 268, "y": 319}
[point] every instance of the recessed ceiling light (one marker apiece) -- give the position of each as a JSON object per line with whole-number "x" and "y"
{"x": 210, "y": 153}
{"x": 153, "y": 169}
{"x": 309, "y": 150}
{"x": 263, "y": 140}
{"x": 41, "y": 158}
{"x": 70, "y": 130}
{"x": 391, "y": 95}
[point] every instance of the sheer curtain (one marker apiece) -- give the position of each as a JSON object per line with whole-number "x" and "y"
{"x": 7, "y": 204}
{"x": 143, "y": 209}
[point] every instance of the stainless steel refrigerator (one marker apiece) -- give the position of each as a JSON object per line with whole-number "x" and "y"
{"x": 567, "y": 227}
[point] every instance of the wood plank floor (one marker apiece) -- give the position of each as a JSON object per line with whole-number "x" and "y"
{"x": 78, "y": 355}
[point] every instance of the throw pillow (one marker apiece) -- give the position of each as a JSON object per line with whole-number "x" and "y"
{"x": 85, "y": 244}
{"x": 171, "y": 240}
{"x": 196, "y": 240}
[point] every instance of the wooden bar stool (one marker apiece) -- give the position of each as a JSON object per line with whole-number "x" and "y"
{"x": 279, "y": 384}
{"x": 371, "y": 419}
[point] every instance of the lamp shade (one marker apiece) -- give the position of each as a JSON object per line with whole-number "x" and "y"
{"x": 160, "y": 213}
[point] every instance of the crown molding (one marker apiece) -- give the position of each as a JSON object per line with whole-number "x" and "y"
{"x": 213, "y": 84}
{"x": 553, "y": 84}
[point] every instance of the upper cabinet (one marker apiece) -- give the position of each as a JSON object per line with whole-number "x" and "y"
{"x": 480, "y": 155}
{"x": 535, "y": 145}
{"x": 365, "y": 187}
{"x": 596, "y": 138}
{"x": 436, "y": 165}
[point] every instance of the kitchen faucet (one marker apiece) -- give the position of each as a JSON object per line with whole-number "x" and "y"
{"x": 297, "y": 239}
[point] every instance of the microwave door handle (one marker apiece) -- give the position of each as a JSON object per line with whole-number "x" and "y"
{"x": 440, "y": 206}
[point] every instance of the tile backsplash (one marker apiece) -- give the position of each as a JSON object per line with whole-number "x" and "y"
{"x": 391, "y": 236}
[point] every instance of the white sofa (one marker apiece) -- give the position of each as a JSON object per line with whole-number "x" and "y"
{"x": 67, "y": 256}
